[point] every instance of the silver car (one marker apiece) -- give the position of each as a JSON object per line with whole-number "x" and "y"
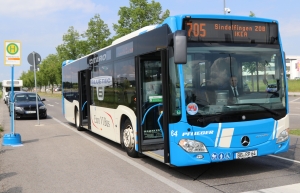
{"x": 6, "y": 97}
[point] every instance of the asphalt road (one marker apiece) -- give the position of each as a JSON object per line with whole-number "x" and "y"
{"x": 55, "y": 157}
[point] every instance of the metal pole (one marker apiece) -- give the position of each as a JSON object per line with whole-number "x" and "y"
{"x": 36, "y": 96}
{"x": 224, "y": 7}
{"x": 11, "y": 105}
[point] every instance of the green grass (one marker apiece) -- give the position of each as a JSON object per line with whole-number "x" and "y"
{"x": 1, "y": 130}
{"x": 294, "y": 85}
{"x": 45, "y": 95}
{"x": 295, "y": 132}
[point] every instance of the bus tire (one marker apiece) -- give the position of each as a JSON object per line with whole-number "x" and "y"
{"x": 77, "y": 122}
{"x": 128, "y": 139}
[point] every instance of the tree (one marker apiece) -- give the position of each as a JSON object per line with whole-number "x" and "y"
{"x": 139, "y": 14}
{"x": 28, "y": 79}
{"x": 252, "y": 14}
{"x": 70, "y": 49}
{"x": 97, "y": 34}
{"x": 40, "y": 79}
{"x": 50, "y": 70}
{"x": 250, "y": 67}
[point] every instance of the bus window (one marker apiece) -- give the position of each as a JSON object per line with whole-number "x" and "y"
{"x": 175, "y": 97}
{"x": 124, "y": 77}
{"x": 108, "y": 99}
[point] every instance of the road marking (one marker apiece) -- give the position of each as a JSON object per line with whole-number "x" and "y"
{"x": 128, "y": 160}
{"x": 286, "y": 159}
{"x": 294, "y": 100}
{"x": 57, "y": 103}
{"x": 50, "y": 105}
{"x": 288, "y": 189}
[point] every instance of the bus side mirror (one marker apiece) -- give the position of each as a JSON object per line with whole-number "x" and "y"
{"x": 180, "y": 47}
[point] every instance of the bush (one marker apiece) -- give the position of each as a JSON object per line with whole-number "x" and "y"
{"x": 294, "y": 85}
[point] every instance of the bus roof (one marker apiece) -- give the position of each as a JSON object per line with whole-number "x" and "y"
{"x": 175, "y": 23}
{"x": 117, "y": 41}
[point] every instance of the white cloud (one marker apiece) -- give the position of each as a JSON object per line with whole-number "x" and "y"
{"x": 34, "y": 8}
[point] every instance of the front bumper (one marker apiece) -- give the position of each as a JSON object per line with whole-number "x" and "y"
{"x": 23, "y": 114}
{"x": 179, "y": 157}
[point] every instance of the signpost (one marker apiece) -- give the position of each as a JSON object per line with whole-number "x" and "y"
{"x": 35, "y": 59}
{"x": 12, "y": 57}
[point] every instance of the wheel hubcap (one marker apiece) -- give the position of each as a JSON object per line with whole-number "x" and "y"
{"x": 128, "y": 137}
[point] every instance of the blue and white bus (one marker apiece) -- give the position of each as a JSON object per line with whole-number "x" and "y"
{"x": 164, "y": 90}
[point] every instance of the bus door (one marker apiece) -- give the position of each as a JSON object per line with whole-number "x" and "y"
{"x": 84, "y": 88}
{"x": 152, "y": 111}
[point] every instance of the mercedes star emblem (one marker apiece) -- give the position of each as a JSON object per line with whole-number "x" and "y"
{"x": 245, "y": 141}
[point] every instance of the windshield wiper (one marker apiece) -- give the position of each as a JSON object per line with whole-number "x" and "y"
{"x": 258, "y": 105}
{"x": 218, "y": 115}
{"x": 205, "y": 118}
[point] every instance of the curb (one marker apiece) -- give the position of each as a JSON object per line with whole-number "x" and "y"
{"x": 294, "y": 95}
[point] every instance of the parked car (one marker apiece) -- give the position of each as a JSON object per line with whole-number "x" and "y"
{"x": 271, "y": 88}
{"x": 6, "y": 97}
{"x": 57, "y": 89}
{"x": 25, "y": 105}
{"x": 297, "y": 78}
{"x": 246, "y": 88}
{"x": 25, "y": 89}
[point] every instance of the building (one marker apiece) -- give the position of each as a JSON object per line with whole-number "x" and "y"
{"x": 293, "y": 66}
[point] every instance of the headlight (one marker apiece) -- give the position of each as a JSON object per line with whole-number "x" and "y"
{"x": 43, "y": 107}
{"x": 18, "y": 108}
{"x": 283, "y": 136}
{"x": 192, "y": 145}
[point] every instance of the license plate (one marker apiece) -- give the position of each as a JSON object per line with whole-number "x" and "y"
{"x": 30, "y": 112}
{"x": 245, "y": 154}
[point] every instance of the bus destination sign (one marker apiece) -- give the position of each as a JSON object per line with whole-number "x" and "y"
{"x": 209, "y": 30}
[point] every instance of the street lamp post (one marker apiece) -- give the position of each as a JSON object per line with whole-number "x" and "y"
{"x": 226, "y": 9}
{"x": 224, "y": 2}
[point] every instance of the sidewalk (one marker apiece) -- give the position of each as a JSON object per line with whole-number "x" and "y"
{"x": 54, "y": 158}
{"x": 294, "y": 93}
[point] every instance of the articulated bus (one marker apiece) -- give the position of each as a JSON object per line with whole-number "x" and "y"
{"x": 165, "y": 91}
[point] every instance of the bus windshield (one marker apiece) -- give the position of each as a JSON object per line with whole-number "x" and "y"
{"x": 234, "y": 79}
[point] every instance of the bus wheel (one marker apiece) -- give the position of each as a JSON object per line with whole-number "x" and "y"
{"x": 77, "y": 122}
{"x": 128, "y": 139}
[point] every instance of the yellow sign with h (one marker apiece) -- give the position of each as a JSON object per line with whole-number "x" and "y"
{"x": 12, "y": 53}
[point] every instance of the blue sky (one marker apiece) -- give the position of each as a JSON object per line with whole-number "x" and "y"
{"x": 40, "y": 24}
